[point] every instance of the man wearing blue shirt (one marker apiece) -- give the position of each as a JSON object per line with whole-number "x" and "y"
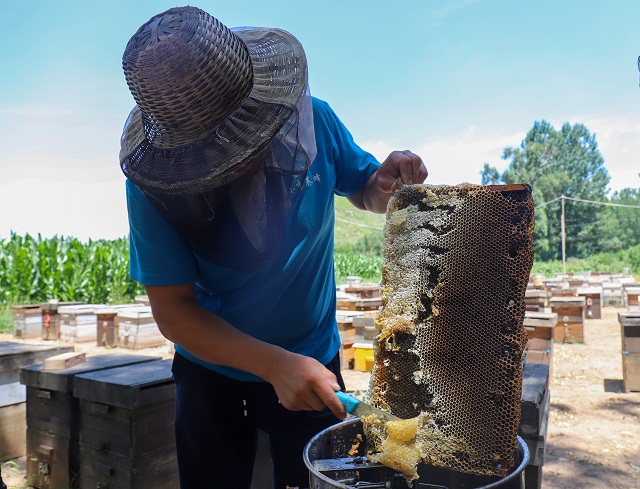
{"x": 232, "y": 169}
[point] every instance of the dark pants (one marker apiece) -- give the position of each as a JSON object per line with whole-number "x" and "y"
{"x": 217, "y": 424}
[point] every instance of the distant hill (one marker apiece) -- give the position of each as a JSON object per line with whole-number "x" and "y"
{"x": 353, "y": 224}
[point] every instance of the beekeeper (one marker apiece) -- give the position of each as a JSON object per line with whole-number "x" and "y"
{"x": 231, "y": 169}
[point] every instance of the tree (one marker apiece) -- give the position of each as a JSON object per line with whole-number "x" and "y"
{"x": 621, "y": 227}
{"x": 555, "y": 163}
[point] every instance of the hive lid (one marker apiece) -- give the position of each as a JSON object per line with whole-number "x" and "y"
{"x": 136, "y": 312}
{"x": 127, "y": 387}
{"x": 62, "y": 380}
{"x": 535, "y": 318}
{"x": 80, "y": 309}
{"x": 15, "y": 355}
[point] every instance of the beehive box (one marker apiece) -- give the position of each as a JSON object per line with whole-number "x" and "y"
{"x": 576, "y": 282}
{"x": 137, "y": 328}
{"x": 358, "y": 304}
{"x": 51, "y": 318}
{"x": 540, "y": 332}
{"x": 13, "y": 395}
{"x": 563, "y": 291}
{"x": 593, "y": 301}
{"x": 631, "y": 371}
{"x": 108, "y": 323}
{"x": 570, "y": 325}
{"x": 345, "y": 325}
{"x": 363, "y": 291}
{"x": 142, "y": 299}
{"x": 612, "y": 294}
{"x": 52, "y": 419}
{"x": 631, "y": 294}
{"x": 27, "y": 321}
{"x": 535, "y": 299}
{"x": 540, "y": 324}
{"x": 534, "y": 399}
{"x": 365, "y": 329}
{"x": 78, "y": 323}
{"x": 363, "y": 356}
{"x": 535, "y": 403}
{"x": 630, "y": 334}
{"x": 347, "y": 356}
{"x": 127, "y": 427}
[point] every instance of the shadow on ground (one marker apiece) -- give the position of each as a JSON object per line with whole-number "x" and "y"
{"x": 579, "y": 465}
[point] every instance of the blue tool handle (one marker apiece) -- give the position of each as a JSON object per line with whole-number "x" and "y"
{"x": 349, "y": 402}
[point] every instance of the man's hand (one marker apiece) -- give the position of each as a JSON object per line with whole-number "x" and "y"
{"x": 304, "y": 384}
{"x": 378, "y": 190}
{"x": 401, "y": 164}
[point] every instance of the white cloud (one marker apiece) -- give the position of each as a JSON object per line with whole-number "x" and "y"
{"x": 61, "y": 196}
{"x": 458, "y": 158}
{"x": 619, "y": 143}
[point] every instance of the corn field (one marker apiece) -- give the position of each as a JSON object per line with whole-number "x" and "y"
{"x": 368, "y": 267}
{"x": 34, "y": 269}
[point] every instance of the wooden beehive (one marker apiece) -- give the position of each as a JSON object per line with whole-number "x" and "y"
{"x": 364, "y": 291}
{"x": 51, "y": 318}
{"x": 593, "y": 301}
{"x": 27, "y": 321}
{"x": 563, "y": 291}
{"x": 570, "y": 311}
{"x": 78, "y": 323}
{"x": 142, "y": 299}
{"x": 631, "y": 294}
{"x": 576, "y": 282}
{"x": 127, "y": 427}
{"x": 52, "y": 419}
{"x": 137, "y": 328}
{"x": 612, "y": 294}
{"x": 358, "y": 304}
{"x": 345, "y": 325}
{"x": 13, "y": 395}
{"x": 535, "y": 299}
{"x": 540, "y": 332}
{"x": 535, "y": 402}
{"x": 365, "y": 328}
{"x": 630, "y": 333}
{"x": 108, "y": 322}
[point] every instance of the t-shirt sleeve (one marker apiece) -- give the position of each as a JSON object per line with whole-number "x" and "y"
{"x": 158, "y": 254}
{"x": 353, "y": 165}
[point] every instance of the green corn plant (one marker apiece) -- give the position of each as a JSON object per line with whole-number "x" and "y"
{"x": 33, "y": 269}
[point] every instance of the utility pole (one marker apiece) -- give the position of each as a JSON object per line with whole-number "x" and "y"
{"x": 564, "y": 245}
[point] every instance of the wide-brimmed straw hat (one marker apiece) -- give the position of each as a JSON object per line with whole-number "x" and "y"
{"x": 208, "y": 98}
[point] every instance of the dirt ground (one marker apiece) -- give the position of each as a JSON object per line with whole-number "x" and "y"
{"x": 593, "y": 438}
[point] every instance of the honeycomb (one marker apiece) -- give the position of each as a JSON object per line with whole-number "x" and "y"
{"x": 449, "y": 344}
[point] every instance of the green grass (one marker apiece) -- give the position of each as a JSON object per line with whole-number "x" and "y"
{"x": 6, "y": 319}
{"x": 352, "y": 225}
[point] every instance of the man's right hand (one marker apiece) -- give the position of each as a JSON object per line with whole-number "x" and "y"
{"x": 304, "y": 384}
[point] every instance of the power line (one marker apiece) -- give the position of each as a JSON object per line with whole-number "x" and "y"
{"x": 610, "y": 204}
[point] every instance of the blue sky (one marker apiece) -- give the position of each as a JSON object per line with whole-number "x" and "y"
{"x": 455, "y": 81}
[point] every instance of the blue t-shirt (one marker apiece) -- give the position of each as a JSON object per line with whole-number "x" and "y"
{"x": 289, "y": 302}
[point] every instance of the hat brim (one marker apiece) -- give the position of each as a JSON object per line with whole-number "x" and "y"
{"x": 280, "y": 80}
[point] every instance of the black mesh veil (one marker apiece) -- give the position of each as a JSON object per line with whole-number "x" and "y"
{"x": 241, "y": 224}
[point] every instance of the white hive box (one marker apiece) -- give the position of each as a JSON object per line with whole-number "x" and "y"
{"x": 27, "y": 321}
{"x": 108, "y": 323}
{"x": 138, "y": 329}
{"x": 78, "y": 323}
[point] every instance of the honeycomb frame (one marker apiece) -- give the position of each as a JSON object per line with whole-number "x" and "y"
{"x": 449, "y": 344}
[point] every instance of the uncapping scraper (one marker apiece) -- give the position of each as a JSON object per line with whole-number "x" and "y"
{"x": 360, "y": 408}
